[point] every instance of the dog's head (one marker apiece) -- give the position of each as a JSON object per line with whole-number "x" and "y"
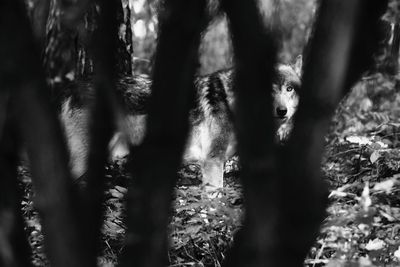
{"x": 285, "y": 90}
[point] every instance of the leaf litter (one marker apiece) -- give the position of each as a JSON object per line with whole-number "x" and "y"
{"x": 361, "y": 167}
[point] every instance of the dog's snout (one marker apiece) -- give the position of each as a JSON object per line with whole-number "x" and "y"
{"x": 281, "y": 111}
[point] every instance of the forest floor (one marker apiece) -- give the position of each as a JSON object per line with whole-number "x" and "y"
{"x": 361, "y": 167}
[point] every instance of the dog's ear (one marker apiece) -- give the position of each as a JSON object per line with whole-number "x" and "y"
{"x": 298, "y": 65}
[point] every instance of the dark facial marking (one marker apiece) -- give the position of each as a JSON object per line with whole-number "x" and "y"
{"x": 288, "y": 77}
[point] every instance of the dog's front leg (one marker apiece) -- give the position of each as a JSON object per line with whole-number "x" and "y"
{"x": 213, "y": 173}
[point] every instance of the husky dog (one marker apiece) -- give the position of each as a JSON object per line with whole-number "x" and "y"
{"x": 211, "y": 139}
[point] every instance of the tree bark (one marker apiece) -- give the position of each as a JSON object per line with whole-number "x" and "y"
{"x": 125, "y": 45}
{"x": 60, "y": 56}
{"x": 70, "y": 29}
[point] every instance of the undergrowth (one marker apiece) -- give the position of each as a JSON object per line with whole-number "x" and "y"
{"x": 361, "y": 166}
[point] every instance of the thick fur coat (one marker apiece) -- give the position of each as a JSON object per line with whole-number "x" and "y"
{"x": 211, "y": 140}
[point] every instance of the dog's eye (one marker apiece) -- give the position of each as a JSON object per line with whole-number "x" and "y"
{"x": 289, "y": 88}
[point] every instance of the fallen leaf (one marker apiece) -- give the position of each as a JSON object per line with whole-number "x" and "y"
{"x": 116, "y": 193}
{"x": 364, "y": 262}
{"x": 336, "y": 193}
{"x": 374, "y": 156}
{"x": 376, "y": 244}
{"x": 361, "y": 140}
{"x": 386, "y": 186}
{"x": 397, "y": 253}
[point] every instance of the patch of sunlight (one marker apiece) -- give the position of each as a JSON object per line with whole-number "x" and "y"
{"x": 138, "y": 6}
{"x": 139, "y": 29}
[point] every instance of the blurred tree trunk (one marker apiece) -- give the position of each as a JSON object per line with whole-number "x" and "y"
{"x": 278, "y": 231}
{"x": 38, "y": 14}
{"x": 158, "y": 158}
{"x": 102, "y": 122}
{"x": 14, "y": 247}
{"x": 22, "y": 74}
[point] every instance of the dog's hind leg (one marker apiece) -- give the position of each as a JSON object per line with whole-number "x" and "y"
{"x": 118, "y": 146}
{"x": 214, "y": 161}
{"x": 213, "y": 172}
{"x": 75, "y": 123}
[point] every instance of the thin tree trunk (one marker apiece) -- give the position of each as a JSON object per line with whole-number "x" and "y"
{"x": 125, "y": 45}
{"x": 324, "y": 84}
{"x": 42, "y": 135}
{"x": 102, "y": 115}
{"x": 255, "y": 57}
{"x": 60, "y": 55}
{"x": 285, "y": 195}
{"x": 157, "y": 160}
{"x": 14, "y": 247}
{"x": 38, "y": 17}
